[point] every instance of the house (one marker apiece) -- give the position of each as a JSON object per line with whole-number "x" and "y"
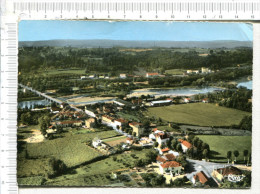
{"x": 137, "y": 101}
{"x": 164, "y": 151}
{"x": 92, "y": 76}
{"x": 83, "y": 77}
{"x": 170, "y": 157}
{"x": 205, "y": 70}
{"x": 96, "y": 142}
{"x": 232, "y": 173}
{"x": 129, "y": 140}
{"x": 145, "y": 141}
{"x": 120, "y": 123}
{"x": 185, "y": 145}
{"x": 160, "y": 103}
{"x": 205, "y": 100}
{"x": 187, "y": 100}
{"x": 150, "y": 75}
{"x": 90, "y": 123}
{"x": 101, "y": 77}
{"x": 137, "y": 128}
{"x": 55, "y": 109}
{"x": 107, "y": 119}
{"x": 122, "y": 76}
{"x": 176, "y": 154}
{"x": 160, "y": 160}
{"x": 170, "y": 167}
{"x": 162, "y": 138}
{"x": 200, "y": 178}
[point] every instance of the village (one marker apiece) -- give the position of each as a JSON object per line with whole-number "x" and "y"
{"x": 176, "y": 155}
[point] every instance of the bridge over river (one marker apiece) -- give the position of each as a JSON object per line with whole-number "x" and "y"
{"x": 47, "y": 96}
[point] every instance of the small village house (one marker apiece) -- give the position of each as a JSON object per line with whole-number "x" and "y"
{"x": 161, "y": 103}
{"x": 90, "y": 123}
{"x": 76, "y": 123}
{"x": 122, "y": 76}
{"x": 164, "y": 151}
{"x": 137, "y": 128}
{"x": 96, "y": 142}
{"x": 185, "y": 145}
{"x": 107, "y": 119}
{"x": 170, "y": 167}
{"x": 120, "y": 123}
{"x": 200, "y": 178}
{"x": 162, "y": 138}
{"x": 226, "y": 172}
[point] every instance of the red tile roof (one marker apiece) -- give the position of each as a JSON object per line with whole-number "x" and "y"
{"x": 229, "y": 170}
{"x": 201, "y": 177}
{"x": 152, "y": 73}
{"x": 121, "y": 120}
{"x": 160, "y": 159}
{"x": 155, "y": 129}
{"x": 185, "y": 143}
{"x": 170, "y": 157}
{"x": 70, "y": 122}
{"x": 165, "y": 150}
{"x": 170, "y": 164}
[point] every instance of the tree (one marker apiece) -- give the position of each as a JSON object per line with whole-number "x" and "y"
{"x": 205, "y": 153}
{"x": 245, "y": 154}
{"x": 179, "y": 148}
{"x": 229, "y": 155}
{"x": 236, "y": 154}
{"x": 156, "y": 144}
{"x": 174, "y": 144}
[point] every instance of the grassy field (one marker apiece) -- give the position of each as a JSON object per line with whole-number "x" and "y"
{"x": 115, "y": 140}
{"x": 175, "y": 71}
{"x": 220, "y": 145}
{"x": 71, "y": 149}
{"x": 94, "y": 174}
{"x": 69, "y": 71}
{"x": 199, "y": 114}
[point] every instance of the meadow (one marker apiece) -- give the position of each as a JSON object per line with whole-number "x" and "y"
{"x": 202, "y": 114}
{"x": 220, "y": 145}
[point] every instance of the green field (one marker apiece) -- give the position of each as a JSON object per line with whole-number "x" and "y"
{"x": 71, "y": 149}
{"x": 175, "y": 71}
{"x": 69, "y": 71}
{"x": 202, "y": 114}
{"x": 94, "y": 174}
{"x": 220, "y": 145}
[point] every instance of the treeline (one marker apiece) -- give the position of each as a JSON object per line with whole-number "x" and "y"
{"x": 32, "y": 59}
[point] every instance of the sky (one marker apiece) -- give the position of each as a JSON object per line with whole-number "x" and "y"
{"x": 134, "y": 30}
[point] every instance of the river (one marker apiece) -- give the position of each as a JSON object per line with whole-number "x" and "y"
{"x": 32, "y": 103}
{"x": 247, "y": 84}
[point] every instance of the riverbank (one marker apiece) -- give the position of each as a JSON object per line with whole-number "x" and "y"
{"x": 30, "y": 99}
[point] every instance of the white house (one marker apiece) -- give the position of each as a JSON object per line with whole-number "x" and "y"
{"x": 162, "y": 138}
{"x": 96, "y": 142}
{"x": 122, "y": 75}
{"x": 185, "y": 145}
{"x": 187, "y": 100}
{"x": 148, "y": 75}
{"x": 160, "y": 102}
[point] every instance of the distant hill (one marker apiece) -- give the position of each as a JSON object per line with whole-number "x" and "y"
{"x": 136, "y": 44}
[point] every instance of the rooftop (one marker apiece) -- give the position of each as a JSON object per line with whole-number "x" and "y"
{"x": 201, "y": 177}
{"x": 170, "y": 164}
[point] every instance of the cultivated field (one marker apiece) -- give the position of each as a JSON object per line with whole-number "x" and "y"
{"x": 95, "y": 174}
{"x": 199, "y": 114}
{"x": 71, "y": 149}
{"x": 175, "y": 71}
{"x": 220, "y": 145}
{"x": 115, "y": 140}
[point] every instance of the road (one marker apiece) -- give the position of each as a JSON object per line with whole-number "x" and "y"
{"x": 207, "y": 167}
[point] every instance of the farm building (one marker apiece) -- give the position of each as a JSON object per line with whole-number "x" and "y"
{"x": 162, "y": 138}
{"x": 160, "y": 103}
{"x": 150, "y": 75}
{"x": 228, "y": 172}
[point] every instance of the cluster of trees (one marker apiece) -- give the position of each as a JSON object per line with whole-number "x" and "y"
{"x": 153, "y": 180}
{"x": 236, "y": 153}
{"x": 44, "y": 123}
{"x": 28, "y": 117}
{"x": 114, "y": 60}
{"x": 238, "y": 98}
{"x": 245, "y": 183}
{"x": 149, "y": 158}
